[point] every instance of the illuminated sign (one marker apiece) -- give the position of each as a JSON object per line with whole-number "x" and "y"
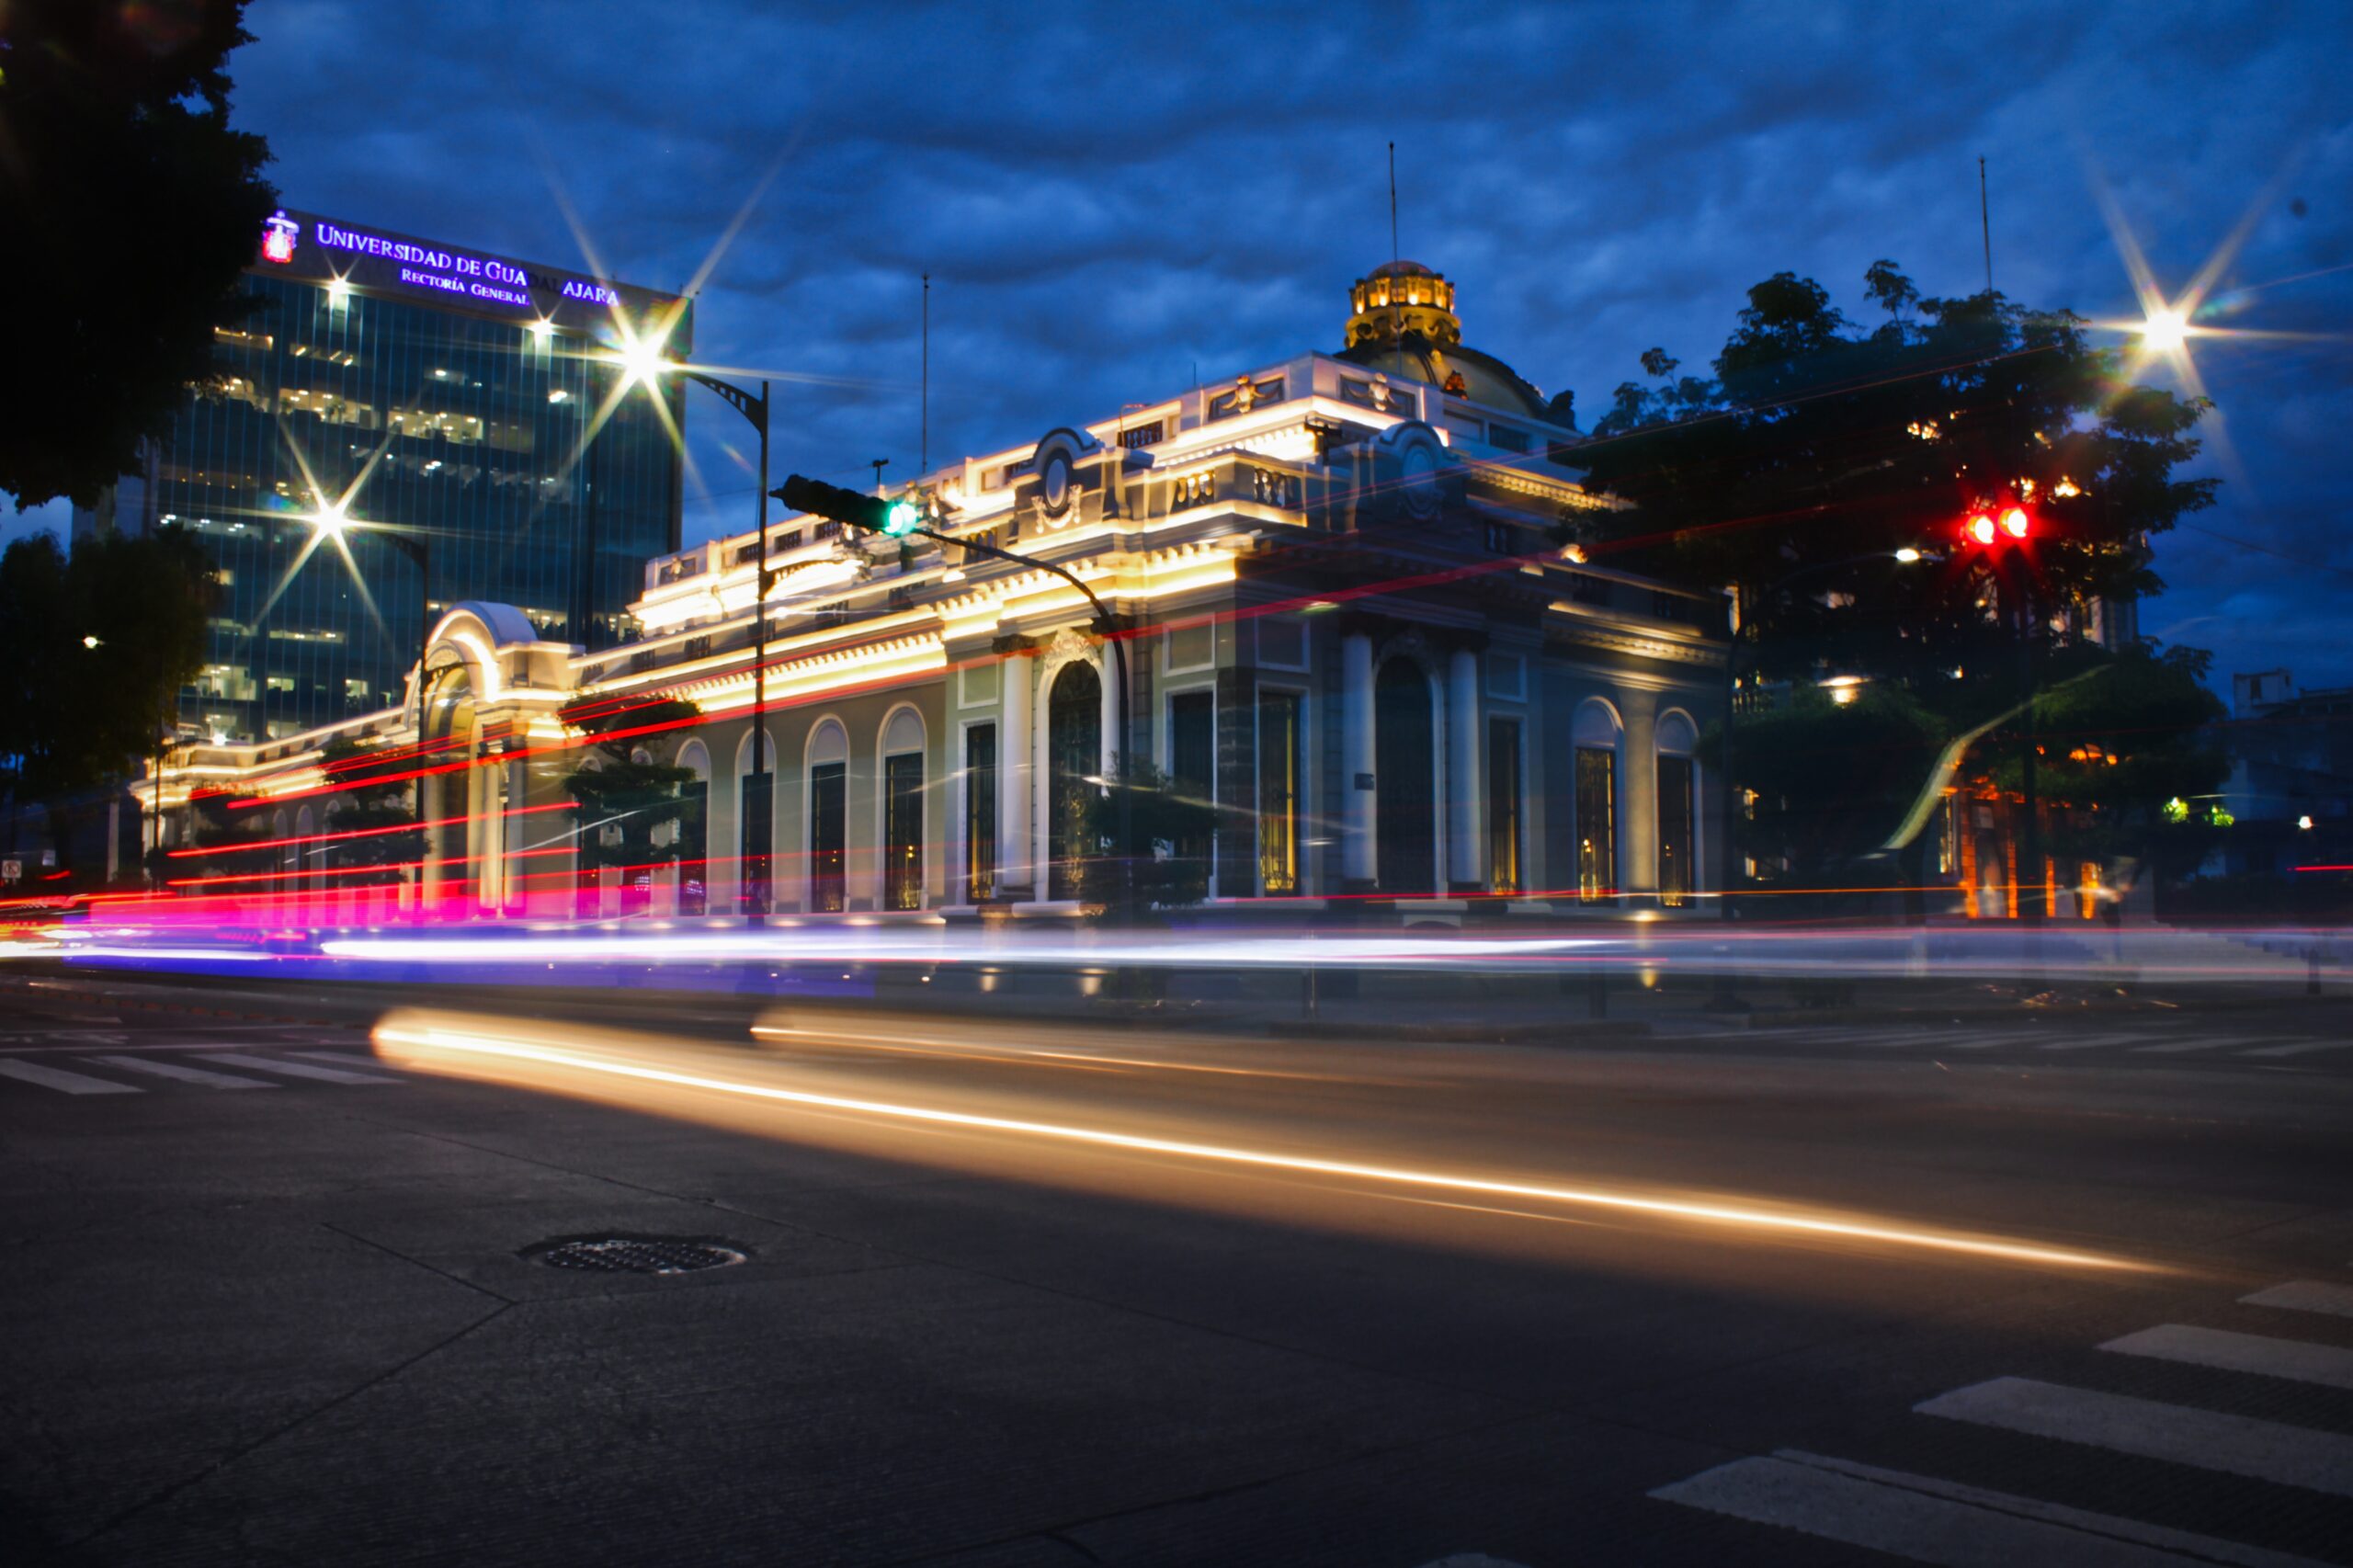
{"x": 277, "y": 239}
{"x": 331, "y": 252}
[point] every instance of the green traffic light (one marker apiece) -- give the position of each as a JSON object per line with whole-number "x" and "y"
{"x": 900, "y": 520}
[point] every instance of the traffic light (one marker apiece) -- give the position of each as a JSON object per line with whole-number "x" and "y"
{"x": 1989, "y": 526}
{"x": 875, "y": 514}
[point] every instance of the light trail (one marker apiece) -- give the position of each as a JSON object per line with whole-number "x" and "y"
{"x": 920, "y": 1045}
{"x": 414, "y": 1042}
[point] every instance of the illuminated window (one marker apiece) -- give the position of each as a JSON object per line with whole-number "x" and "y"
{"x": 1676, "y": 875}
{"x": 1503, "y": 804}
{"x": 1597, "y": 811}
{"x": 980, "y": 812}
{"x": 903, "y": 830}
{"x": 828, "y": 837}
{"x": 1075, "y": 759}
{"x": 1278, "y": 780}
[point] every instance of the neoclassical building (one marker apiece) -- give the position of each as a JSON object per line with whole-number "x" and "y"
{"x": 1351, "y": 613}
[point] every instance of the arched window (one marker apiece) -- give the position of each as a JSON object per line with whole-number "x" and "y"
{"x": 1679, "y": 866}
{"x": 1595, "y": 736}
{"x": 1073, "y": 759}
{"x": 828, "y": 769}
{"x": 693, "y": 829}
{"x": 902, "y": 810}
{"x": 756, "y": 820}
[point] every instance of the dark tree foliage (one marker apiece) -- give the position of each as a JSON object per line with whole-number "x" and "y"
{"x": 132, "y": 207}
{"x": 1832, "y": 780}
{"x": 1166, "y": 825}
{"x": 2114, "y": 746}
{"x": 93, "y": 650}
{"x": 1818, "y": 447}
{"x": 371, "y": 804}
{"x": 625, "y": 790}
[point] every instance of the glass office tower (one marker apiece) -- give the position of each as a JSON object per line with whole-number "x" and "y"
{"x": 465, "y": 401}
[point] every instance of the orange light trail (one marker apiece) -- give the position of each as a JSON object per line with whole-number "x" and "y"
{"x": 413, "y": 1042}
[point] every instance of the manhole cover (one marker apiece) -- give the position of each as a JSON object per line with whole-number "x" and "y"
{"x": 638, "y": 1255}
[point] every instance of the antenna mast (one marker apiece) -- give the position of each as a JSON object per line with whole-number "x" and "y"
{"x": 923, "y": 441}
{"x": 1985, "y": 222}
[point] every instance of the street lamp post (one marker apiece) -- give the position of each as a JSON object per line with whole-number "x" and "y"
{"x": 331, "y": 521}
{"x": 645, "y": 363}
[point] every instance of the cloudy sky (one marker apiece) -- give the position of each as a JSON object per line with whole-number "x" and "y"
{"x": 1112, "y": 200}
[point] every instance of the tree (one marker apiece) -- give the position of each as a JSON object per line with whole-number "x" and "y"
{"x": 1831, "y": 779}
{"x": 114, "y": 120}
{"x": 94, "y": 651}
{"x": 1819, "y": 449}
{"x": 625, "y": 792}
{"x": 1171, "y": 830}
{"x": 2134, "y": 734}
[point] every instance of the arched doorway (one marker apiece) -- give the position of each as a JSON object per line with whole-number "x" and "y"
{"x": 1074, "y": 756}
{"x": 449, "y": 875}
{"x": 1405, "y": 771}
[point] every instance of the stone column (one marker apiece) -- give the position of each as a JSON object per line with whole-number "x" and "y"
{"x": 1465, "y": 870}
{"x": 1015, "y": 875}
{"x": 1359, "y": 795}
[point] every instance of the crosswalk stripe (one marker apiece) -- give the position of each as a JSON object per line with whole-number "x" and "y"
{"x": 2203, "y": 1043}
{"x": 2085, "y": 1042}
{"x": 1936, "y": 1521}
{"x": 2293, "y": 1359}
{"x": 2299, "y": 1047}
{"x": 68, "y": 1083}
{"x": 2306, "y": 1296}
{"x": 2205, "y": 1439}
{"x": 184, "y": 1073}
{"x": 342, "y": 1059}
{"x": 294, "y": 1069}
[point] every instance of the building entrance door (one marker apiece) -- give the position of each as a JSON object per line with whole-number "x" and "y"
{"x": 1405, "y": 772}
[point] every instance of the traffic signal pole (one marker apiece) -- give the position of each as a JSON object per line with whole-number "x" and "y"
{"x": 898, "y": 520}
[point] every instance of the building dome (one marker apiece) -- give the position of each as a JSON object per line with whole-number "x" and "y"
{"x": 1402, "y": 297}
{"x": 1402, "y": 323}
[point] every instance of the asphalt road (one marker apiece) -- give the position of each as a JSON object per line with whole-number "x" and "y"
{"x": 274, "y": 1289}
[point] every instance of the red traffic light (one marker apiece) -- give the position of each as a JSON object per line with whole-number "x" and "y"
{"x": 2015, "y": 523}
{"x": 1979, "y": 530}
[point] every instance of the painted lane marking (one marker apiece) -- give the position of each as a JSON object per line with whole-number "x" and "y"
{"x": 68, "y": 1083}
{"x": 2306, "y": 1296}
{"x": 2203, "y": 1043}
{"x": 184, "y": 1073}
{"x": 2204, "y": 1439}
{"x": 347, "y": 1059}
{"x": 294, "y": 1069}
{"x": 2327, "y": 1365}
{"x": 1931, "y": 1520}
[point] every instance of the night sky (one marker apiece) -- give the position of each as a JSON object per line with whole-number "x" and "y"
{"x": 1111, "y": 199}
